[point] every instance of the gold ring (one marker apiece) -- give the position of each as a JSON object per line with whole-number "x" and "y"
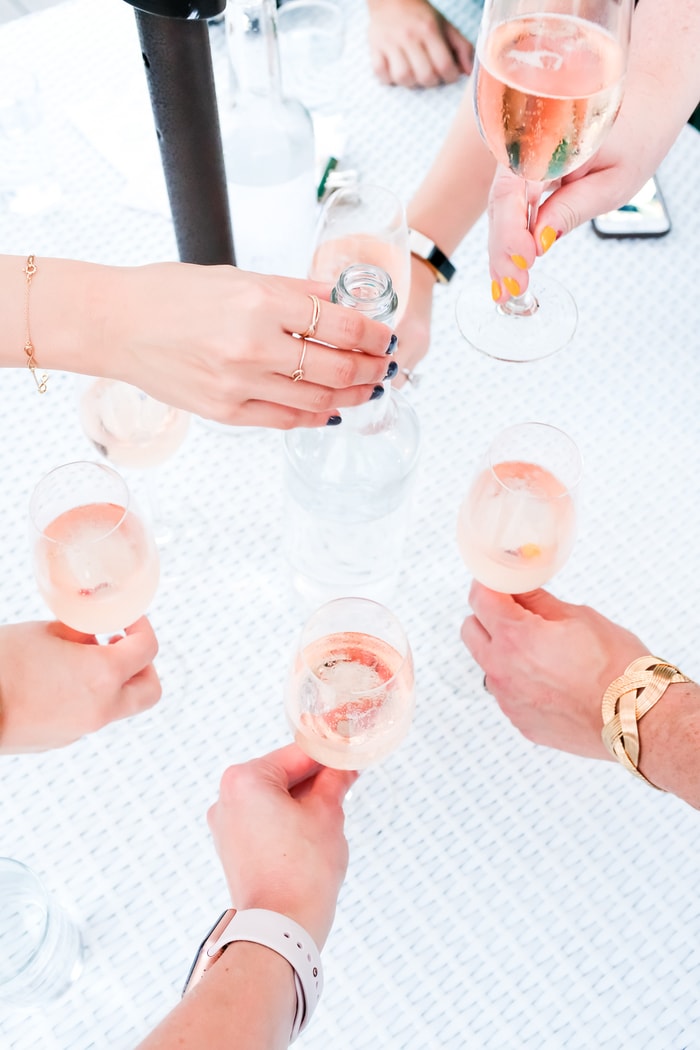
{"x": 299, "y": 372}
{"x": 309, "y": 333}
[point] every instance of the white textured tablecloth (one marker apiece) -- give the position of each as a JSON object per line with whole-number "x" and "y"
{"x": 506, "y": 896}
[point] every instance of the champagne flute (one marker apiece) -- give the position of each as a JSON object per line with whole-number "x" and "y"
{"x": 548, "y": 82}
{"x": 363, "y": 224}
{"x": 517, "y": 523}
{"x": 350, "y": 690}
{"x": 95, "y": 559}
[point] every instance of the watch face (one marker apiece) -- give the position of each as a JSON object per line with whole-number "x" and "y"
{"x": 203, "y": 960}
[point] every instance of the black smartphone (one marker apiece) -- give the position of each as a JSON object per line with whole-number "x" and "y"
{"x": 645, "y": 215}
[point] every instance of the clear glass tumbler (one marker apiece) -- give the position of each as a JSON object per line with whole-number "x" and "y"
{"x": 41, "y": 947}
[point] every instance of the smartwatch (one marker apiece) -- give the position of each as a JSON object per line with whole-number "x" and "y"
{"x": 281, "y": 935}
{"x": 423, "y": 248}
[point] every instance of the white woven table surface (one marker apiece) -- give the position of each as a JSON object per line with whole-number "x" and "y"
{"x": 500, "y": 895}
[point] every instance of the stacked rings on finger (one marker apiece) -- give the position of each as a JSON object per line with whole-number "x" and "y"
{"x": 298, "y": 373}
{"x": 310, "y": 331}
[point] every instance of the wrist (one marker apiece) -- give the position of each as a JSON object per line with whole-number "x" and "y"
{"x": 669, "y": 736}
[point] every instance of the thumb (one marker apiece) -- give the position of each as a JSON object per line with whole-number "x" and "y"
{"x": 462, "y": 48}
{"x": 575, "y": 202}
{"x": 542, "y": 603}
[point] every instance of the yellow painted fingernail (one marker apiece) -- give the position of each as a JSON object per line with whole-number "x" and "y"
{"x": 519, "y": 262}
{"x": 547, "y": 238}
{"x": 495, "y": 291}
{"x": 512, "y": 285}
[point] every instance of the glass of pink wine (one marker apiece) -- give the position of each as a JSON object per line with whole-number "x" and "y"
{"x": 95, "y": 559}
{"x": 517, "y": 523}
{"x": 548, "y": 82}
{"x": 350, "y": 691}
{"x": 363, "y": 224}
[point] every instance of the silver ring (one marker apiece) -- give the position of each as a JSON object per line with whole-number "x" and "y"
{"x": 411, "y": 377}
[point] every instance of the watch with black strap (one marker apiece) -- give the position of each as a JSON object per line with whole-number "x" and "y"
{"x": 423, "y": 248}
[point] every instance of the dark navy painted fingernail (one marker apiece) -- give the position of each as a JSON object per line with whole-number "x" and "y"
{"x": 393, "y": 343}
{"x": 391, "y": 370}
{"x": 333, "y": 421}
{"x": 377, "y": 392}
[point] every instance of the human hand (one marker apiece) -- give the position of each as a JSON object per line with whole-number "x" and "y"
{"x": 548, "y": 663}
{"x": 57, "y": 684}
{"x": 413, "y": 332}
{"x": 413, "y": 45}
{"x": 217, "y": 341}
{"x": 278, "y": 829}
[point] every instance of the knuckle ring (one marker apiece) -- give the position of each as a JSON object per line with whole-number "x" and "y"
{"x": 298, "y": 372}
{"x": 310, "y": 331}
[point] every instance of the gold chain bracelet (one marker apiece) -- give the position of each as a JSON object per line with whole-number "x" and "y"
{"x": 628, "y": 699}
{"x": 42, "y": 379}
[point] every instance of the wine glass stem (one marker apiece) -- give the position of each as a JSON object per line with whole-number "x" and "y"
{"x": 526, "y": 305}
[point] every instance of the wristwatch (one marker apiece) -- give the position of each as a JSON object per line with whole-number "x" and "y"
{"x": 281, "y": 935}
{"x": 423, "y": 248}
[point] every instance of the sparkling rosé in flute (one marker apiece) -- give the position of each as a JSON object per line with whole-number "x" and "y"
{"x": 350, "y": 699}
{"x": 516, "y": 527}
{"x": 97, "y": 568}
{"x": 548, "y": 88}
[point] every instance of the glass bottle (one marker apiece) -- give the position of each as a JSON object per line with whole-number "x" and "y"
{"x": 348, "y": 488}
{"x": 268, "y": 144}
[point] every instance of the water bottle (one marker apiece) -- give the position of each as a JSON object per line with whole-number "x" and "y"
{"x": 348, "y": 488}
{"x": 268, "y": 145}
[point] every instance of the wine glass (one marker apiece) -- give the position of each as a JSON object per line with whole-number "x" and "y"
{"x": 517, "y": 523}
{"x": 363, "y": 224}
{"x": 133, "y": 430}
{"x": 548, "y": 81}
{"x": 350, "y": 689}
{"x": 95, "y": 559}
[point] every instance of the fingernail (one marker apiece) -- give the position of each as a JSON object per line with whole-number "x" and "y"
{"x": 512, "y": 285}
{"x": 377, "y": 392}
{"x": 333, "y": 421}
{"x": 393, "y": 342}
{"x": 391, "y": 370}
{"x": 495, "y": 291}
{"x": 519, "y": 262}
{"x": 547, "y": 238}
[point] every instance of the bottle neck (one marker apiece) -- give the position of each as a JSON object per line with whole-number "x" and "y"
{"x": 251, "y": 31}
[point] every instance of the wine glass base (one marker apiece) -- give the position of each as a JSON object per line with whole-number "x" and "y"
{"x": 495, "y": 332}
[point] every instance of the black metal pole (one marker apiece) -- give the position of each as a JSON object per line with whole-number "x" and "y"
{"x": 177, "y": 56}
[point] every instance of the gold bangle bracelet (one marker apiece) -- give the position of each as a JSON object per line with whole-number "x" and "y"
{"x": 627, "y": 700}
{"x": 42, "y": 380}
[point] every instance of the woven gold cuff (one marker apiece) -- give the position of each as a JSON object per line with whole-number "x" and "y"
{"x": 628, "y": 699}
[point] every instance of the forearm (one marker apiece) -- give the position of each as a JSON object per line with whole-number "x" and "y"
{"x": 663, "y": 79}
{"x": 455, "y": 191}
{"x": 66, "y": 314}
{"x": 669, "y": 741}
{"x": 246, "y": 1001}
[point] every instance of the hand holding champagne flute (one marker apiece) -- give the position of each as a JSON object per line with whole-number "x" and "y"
{"x": 548, "y": 82}
{"x": 350, "y": 689}
{"x": 517, "y": 522}
{"x": 95, "y": 559}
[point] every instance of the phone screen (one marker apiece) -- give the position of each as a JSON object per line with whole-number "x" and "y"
{"x": 644, "y": 216}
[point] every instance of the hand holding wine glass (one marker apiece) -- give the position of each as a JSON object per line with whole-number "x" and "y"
{"x": 548, "y": 84}
{"x": 95, "y": 559}
{"x": 350, "y": 689}
{"x": 517, "y": 522}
